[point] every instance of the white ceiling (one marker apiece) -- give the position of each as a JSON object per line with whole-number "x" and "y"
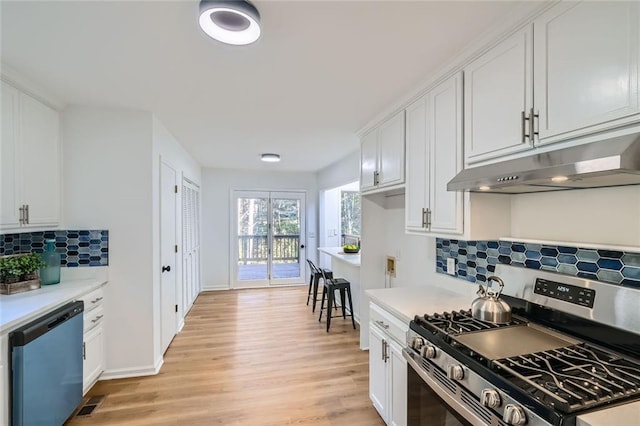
{"x": 321, "y": 70}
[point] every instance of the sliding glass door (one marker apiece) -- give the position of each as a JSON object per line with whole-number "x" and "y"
{"x": 268, "y": 246}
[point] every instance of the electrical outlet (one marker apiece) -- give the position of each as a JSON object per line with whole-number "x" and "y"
{"x": 451, "y": 266}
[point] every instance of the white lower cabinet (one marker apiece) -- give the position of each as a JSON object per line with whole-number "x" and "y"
{"x": 93, "y": 357}
{"x": 4, "y": 380}
{"x": 93, "y": 344}
{"x": 387, "y": 366}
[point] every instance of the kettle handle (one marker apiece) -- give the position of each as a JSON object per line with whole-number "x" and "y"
{"x": 499, "y": 281}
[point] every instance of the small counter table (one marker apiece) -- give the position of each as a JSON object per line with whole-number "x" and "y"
{"x": 347, "y": 266}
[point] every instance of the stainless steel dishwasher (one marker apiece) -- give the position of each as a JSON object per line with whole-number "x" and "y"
{"x": 46, "y": 367}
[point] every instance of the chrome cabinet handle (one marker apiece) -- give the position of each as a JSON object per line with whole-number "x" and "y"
{"x": 21, "y": 210}
{"x": 532, "y": 124}
{"x": 428, "y": 218}
{"x": 97, "y": 319}
{"x": 84, "y": 351}
{"x": 424, "y": 217}
{"x": 97, "y": 300}
{"x": 382, "y": 324}
{"x": 524, "y": 119}
{"x": 27, "y": 211}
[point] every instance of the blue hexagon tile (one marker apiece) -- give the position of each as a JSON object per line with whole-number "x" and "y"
{"x": 77, "y": 248}
{"x": 614, "y": 267}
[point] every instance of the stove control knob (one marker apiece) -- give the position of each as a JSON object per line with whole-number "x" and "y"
{"x": 417, "y": 343}
{"x": 428, "y": 351}
{"x": 455, "y": 372}
{"x": 490, "y": 398}
{"x": 514, "y": 415}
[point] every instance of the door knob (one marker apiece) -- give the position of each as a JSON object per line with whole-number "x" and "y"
{"x": 301, "y": 245}
{"x": 166, "y": 268}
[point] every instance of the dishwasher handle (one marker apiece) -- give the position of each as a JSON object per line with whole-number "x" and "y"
{"x": 46, "y": 323}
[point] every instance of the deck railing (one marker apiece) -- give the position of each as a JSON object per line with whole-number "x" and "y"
{"x": 255, "y": 248}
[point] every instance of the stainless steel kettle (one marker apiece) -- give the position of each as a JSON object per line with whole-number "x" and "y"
{"x": 489, "y": 307}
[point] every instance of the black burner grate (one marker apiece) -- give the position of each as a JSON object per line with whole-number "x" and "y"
{"x": 459, "y": 322}
{"x": 574, "y": 377}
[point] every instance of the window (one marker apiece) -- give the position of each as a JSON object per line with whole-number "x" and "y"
{"x": 350, "y": 216}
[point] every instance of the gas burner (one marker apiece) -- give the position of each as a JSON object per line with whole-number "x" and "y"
{"x": 572, "y": 378}
{"x": 456, "y": 323}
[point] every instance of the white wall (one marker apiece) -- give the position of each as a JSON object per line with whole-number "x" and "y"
{"x": 111, "y": 181}
{"x": 107, "y": 185}
{"x": 601, "y": 216}
{"x": 342, "y": 172}
{"x": 166, "y": 148}
{"x": 217, "y": 185}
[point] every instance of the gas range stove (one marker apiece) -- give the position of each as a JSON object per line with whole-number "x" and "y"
{"x": 571, "y": 348}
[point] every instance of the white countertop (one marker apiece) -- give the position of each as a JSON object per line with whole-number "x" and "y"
{"x": 407, "y": 302}
{"x": 337, "y": 253}
{"x": 17, "y": 309}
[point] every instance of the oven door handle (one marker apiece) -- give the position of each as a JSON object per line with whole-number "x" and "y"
{"x": 446, "y": 397}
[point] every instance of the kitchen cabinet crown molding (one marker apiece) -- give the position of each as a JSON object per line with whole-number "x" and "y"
{"x": 522, "y": 15}
{"x": 10, "y": 76}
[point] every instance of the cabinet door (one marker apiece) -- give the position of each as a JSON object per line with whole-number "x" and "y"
{"x": 9, "y": 157}
{"x": 498, "y": 89}
{"x": 377, "y": 371}
{"x": 4, "y": 392}
{"x": 391, "y": 151}
{"x": 586, "y": 67}
{"x": 93, "y": 357}
{"x": 368, "y": 160}
{"x": 40, "y": 161}
{"x": 445, "y": 136}
{"x": 398, "y": 386}
{"x": 417, "y": 169}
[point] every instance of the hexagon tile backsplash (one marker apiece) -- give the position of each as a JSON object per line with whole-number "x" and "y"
{"x": 76, "y": 247}
{"x": 475, "y": 260}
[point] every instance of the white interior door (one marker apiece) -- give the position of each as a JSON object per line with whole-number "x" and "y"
{"x": 168, "y": 298}
{"x": 268, "y": 240}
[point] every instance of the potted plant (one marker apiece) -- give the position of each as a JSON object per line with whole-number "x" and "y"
{"x": 19, "y": 273}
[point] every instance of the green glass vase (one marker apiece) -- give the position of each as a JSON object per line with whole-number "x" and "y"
{"x": 50, "y": 273}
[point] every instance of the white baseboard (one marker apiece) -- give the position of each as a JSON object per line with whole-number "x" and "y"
{"x": 180, "y": 325}
{"x": 123, "y": 373}
{"x": 215, "y": 287}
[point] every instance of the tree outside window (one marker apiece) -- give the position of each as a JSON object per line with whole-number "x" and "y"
{"x": 350, "y": 213}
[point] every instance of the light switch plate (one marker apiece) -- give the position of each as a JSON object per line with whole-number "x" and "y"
{"x": 451, "y": 266}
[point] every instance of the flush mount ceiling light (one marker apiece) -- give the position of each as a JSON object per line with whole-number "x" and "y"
{"x": 559, "y": 179}
{"x": 231, "y": 22}
{"x": 270, "y": 158}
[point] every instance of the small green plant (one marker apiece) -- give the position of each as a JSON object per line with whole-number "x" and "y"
{"x": 16, "y": 268}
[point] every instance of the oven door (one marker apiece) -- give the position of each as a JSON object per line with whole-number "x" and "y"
{"x": 430, "y": 405}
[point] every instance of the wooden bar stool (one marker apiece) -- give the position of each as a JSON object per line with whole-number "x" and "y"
{"x": 328, "y": 292}
{"x": 314, "y": 280}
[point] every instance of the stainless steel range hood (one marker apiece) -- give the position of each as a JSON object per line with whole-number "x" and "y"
{"x": 612, "y": 162}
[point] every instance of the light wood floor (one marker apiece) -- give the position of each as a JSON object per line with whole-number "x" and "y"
{"x": 248, "y": 357}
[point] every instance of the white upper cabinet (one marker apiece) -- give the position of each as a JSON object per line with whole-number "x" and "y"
{"x": 586, "y": 67}
{"x": 434, "y": 156}
{"x": 445, "y": 140}
{"x": 580, "y": 62}
{"x": 368, "y": 160}
{"x": 498, "y": 99}
{"x": 30, "y": 160}
{"x": 391, "y": 140}
{"x": 40, "y": 161}
{"x": 416, "y": 194}
{"x": 9, "y": 154}
{"x": 382, "y": 155}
